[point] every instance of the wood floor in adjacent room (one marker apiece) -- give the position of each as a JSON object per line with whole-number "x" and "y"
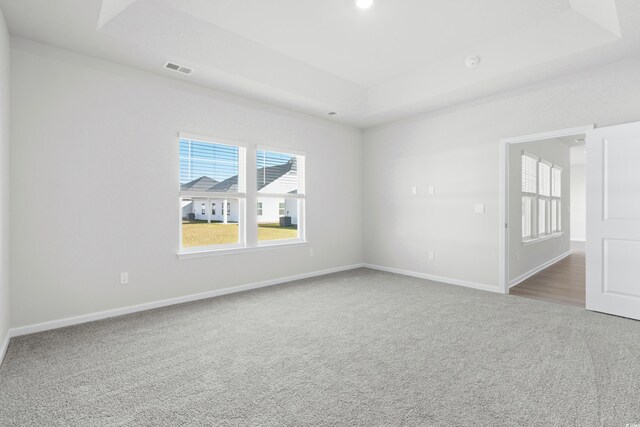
{"x": 563, "y": 282}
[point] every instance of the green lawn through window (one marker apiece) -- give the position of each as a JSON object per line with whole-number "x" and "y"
{"x": 201, "y": 233}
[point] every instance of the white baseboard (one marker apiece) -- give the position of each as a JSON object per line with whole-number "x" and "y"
{"x": 538, "y": 269}
{"x": 4, "y": 346}
{"x": 69, "y": 321}
{"x": 435, "y": 278}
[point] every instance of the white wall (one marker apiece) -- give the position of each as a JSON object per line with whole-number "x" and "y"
{"x": 578, "y": 201}
{"x": 105, "y": 136}
{"x": 525, "y": 258}
{"x": 458, "y": 151}
{"x": 4, "y": 183}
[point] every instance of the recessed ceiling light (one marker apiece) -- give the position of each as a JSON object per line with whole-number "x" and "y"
{"x": 472, "y": 61}
{"x": 364, "y": 4}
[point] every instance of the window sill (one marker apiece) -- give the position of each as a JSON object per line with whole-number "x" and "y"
{"x": 240, "y": 250}
{"x": 542, "y": 239}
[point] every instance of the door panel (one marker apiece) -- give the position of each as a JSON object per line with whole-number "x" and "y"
{"x": 621, "y": 178}
{"x": 621, "y": 267}
{"x": 613, "y": 220}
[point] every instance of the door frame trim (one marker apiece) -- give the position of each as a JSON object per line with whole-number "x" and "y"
{"x": 504, "y": 188}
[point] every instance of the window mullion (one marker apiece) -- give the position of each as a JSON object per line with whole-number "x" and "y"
{"x": 251, "y": 183}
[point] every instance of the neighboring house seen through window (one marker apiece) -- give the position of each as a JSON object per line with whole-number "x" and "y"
{"x": 280, "y": 184}
{"x": 210, "y": 174}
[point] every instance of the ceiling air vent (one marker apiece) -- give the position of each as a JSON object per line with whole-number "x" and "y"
{"x": 179, "y": 68}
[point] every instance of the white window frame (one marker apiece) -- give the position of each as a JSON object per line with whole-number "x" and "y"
{"x": 300, "y": 196}
{"x": 247, "y": 224}
{"x": 544, "y": 200}
{"x": 558, "y": 200}
{"x": 537, "y": 198}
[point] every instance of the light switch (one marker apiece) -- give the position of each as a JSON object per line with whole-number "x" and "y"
{"x": 414, "y": 190}
{"x": 480, "y": 208}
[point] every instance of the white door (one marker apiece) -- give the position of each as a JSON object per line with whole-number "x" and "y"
{"x": 613, "y": 220}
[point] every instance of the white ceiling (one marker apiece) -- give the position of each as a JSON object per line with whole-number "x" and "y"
{"x": 400, "y": 57}
{"x": 337, "y": 37}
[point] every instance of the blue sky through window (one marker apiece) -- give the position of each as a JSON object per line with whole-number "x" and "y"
{"x": 220, "y": 162}
{"x": 198, "y": 159}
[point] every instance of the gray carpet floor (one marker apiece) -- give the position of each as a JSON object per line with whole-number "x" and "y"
{"x": 355, "y": 348}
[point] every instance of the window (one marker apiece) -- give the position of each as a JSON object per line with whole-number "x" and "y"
{"x": 544, "y": 178}
{"x": 529, "y": 195}
{"x": 541, "y": 198}
{"x": 213, "y": 174}
{"x": 557, "y": 181}
{"x": 527, "y": 215}
{"x": 280, "y": 185}
{"x": 556, "y": 199}
{"x": 543, "y": 210}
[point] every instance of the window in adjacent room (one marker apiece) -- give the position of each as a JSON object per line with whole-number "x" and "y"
{"x": 556, "y": 199}
{"x": 529, "y": 195}
{"x": 541, "y": 198}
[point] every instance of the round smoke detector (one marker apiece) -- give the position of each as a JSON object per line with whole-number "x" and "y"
{"x": 472, "y": 61}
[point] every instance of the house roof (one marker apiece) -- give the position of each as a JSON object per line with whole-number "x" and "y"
{"x": 266, "y": 176}
{"x": 229, "y": 185}
{"x": 204, "y": 183}
{"x": 270, "y": 174}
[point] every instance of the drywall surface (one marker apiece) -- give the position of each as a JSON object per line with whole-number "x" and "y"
{"x": 457, "y": 151}
{"x": 524, "y": 258}
{"x": 578, "y": 202}
{"x": 4, "y": 183}
{"x": 95, "y": 186}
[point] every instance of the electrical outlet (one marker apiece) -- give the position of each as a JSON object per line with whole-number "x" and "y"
{"x": 432, "y": 189}
{"x": 124, "y": 278}
{"x": 310, "y": 252}
{"x": 480, "y": 208}
{"x": 414, "y": 190}
{"x": 431, "y": 255}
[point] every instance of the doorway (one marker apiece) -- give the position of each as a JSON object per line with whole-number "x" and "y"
{"x": 544, "y": 213}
